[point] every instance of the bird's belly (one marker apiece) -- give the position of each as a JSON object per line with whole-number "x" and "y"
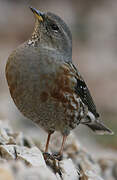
{"x": 38, "y": 104}
{"x": 47, "y": 111}
{"x": 40, "y": 97}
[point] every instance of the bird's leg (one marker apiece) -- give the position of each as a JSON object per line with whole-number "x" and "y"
{"x": 58, "y": 156}
{"x": 46, "y": 154}
{"x": 62, "y": 146}
{"x": 47, "y": 143}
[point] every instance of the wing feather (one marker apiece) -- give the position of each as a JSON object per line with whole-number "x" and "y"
{"x": 82, "y": 90}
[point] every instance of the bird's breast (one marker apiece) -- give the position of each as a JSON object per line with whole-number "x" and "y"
{"x": 43, "y": 91}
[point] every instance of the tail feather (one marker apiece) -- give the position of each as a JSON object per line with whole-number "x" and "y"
{"x": 100, "y": 128}
{"x": 96, "y": 125}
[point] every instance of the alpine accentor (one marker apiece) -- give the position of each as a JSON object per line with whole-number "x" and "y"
{"x": 44, "y": 83}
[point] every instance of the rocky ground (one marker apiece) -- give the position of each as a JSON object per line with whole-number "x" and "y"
{"x": 22, "y": 159}
{"x": 94, "y": 28}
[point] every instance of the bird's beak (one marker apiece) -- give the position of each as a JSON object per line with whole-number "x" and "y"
{"x": 38, "y": 14}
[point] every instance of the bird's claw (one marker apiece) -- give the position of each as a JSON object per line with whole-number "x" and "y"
{"x": 52, "y": 160}
{"x": 57, "y": 156}
{"x": 54, "y": 156}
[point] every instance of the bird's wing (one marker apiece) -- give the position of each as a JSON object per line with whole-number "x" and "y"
{"x": 70, "y": 87}
{"x": 81, "y": 88}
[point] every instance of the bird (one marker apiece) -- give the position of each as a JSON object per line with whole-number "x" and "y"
{"x": 46, "y": 86}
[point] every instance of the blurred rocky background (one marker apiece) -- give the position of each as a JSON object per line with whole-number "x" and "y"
{"x": 20, "y": 159}
{"x": 94, "y": 28}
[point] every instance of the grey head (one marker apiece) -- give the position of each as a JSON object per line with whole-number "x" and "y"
{"x": 51, "y": 32}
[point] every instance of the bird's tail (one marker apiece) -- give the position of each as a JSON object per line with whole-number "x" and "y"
{"x": 100, "y": 128}
{"x": 96, "y": 125}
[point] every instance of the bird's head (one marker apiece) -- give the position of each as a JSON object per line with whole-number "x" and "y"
{"x": 51, "y": 32}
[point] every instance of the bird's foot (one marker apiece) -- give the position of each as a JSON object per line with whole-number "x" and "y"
{"x": 52, "y": 160}
{"x": 47, "y": 156}
{"x": 54, "y": 156}
{"x": 57, "y": 156}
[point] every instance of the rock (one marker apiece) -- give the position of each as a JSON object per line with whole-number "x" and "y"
{"x": 68, "y": 169}
{"x": 20, "y": 159}
{"x": 7, "y": 136}
{"x": 5, "y": 130}
{"x": 18, "y": 170}
{"x": 37, "y": 174}
{"x": 7, "y": 152}
{"x": 31, "y": 156}
{"x": 109, "y": 168}
{"x": 5, "y": 172}
{"x": 32, "y": 173}
{"x": 89, "y": 169}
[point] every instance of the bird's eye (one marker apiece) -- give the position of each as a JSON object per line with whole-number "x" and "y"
{"x": 54, "y": 27}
